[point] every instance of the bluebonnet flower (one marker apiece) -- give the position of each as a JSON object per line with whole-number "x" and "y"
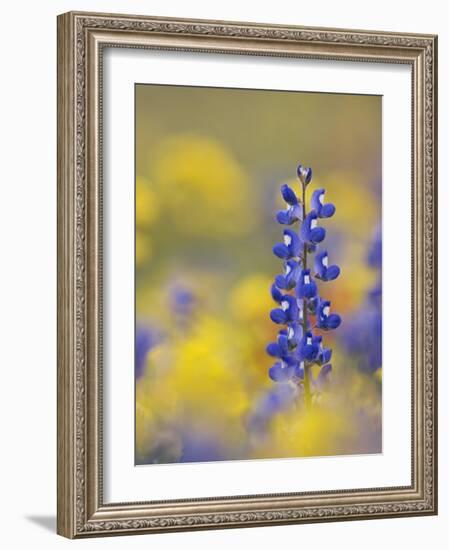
{"x": 293, "y": 213}
{"x": 325, "y": 319}
{"x": 323, "y": 270}
{"x": 309, "y": 347}
{"x": 281, "y": 347}
{"x": 306, "y": 287}
{"x": 317, "y": 202}
{"x": 281, "y": 372}
{"x": 276, "y": 294}
{"x": 287, "y": 313}
{"x": 297, "y": 348}
{"x": 289, "y": 279}
{"x": 324, "y": 354}
{"x": 290, "y": 248}
{"x": 310, "y": 232}
{"x": 295, "y": 332}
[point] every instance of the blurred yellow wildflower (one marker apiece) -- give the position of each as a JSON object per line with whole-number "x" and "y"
{"x": 204, "y": 189}
{"x": 147, "y": 203}
{"x": 143, "y": 247}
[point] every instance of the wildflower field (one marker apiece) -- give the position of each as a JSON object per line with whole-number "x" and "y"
{"x": 258, "y": 274}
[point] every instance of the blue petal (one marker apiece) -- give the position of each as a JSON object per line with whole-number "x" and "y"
{"x": 295, "y": 244}
{"x": 317, "y": 339}
{"x": 278, "y": 373}
{"x": 317, "y": 235}
{"x": 278, "y": 316}
{"x": 295, "y": 334}
{"x": 281, "y": 281}
{"x": 292, "y": 310}
{"x": 309, "y": 235}
{"x": 319, "y": 267}
{"x": 306, "y": 290}
{"x": 308, "y": 177}
{"x": 310, "y": 290}
{"x": 332, "y": 272}
{"x": 283, "y": 217}
{"x": 326, "y": 355}
{"x": 292, "y": 277}
{"x": 296, "y": 213}
{"x": 305, "y": 227}
{"x": 315, "y": 202}
{"x": 274, "y": 350}
{"x": 289, "y": 195}
{"x": 333, "y": 321}
{"x": 281, "y": 251}
{"x": 307, "y": 351}
{"x": 327, "y": 210}
{"x": 283, "y": 344}
{"x": 290, "y": 360}
{"x": 276, "y": 293}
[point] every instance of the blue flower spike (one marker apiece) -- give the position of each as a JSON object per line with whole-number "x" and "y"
{"x": 323, "y": 270}
{"x": 317, "y": 203}
{"x": 296, "y": 292}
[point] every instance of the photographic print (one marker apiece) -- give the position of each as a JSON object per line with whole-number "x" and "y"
{"x": 247, "y": 278}
{"x": 258, "y": 266}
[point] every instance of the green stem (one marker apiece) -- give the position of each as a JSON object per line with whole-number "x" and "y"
{"x": 307, "y": 392}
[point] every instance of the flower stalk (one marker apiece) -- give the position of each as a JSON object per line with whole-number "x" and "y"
{"x": 307, "y": 392}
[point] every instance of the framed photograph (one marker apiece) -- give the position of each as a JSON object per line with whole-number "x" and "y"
{"x": 246, "y": 274}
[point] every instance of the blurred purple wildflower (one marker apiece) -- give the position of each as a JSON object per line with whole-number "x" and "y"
{"x": 362, "y": 334}
{"x": 200, "y": 447}
{"x": 275, "y": 400}
{"x": 146, "y": 339}
{"x": 182, "y": 300}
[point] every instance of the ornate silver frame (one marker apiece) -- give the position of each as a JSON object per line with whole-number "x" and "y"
{"x": 81, "y": 39}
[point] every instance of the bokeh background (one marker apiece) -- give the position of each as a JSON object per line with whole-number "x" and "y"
{"x": 209, "y": 165}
